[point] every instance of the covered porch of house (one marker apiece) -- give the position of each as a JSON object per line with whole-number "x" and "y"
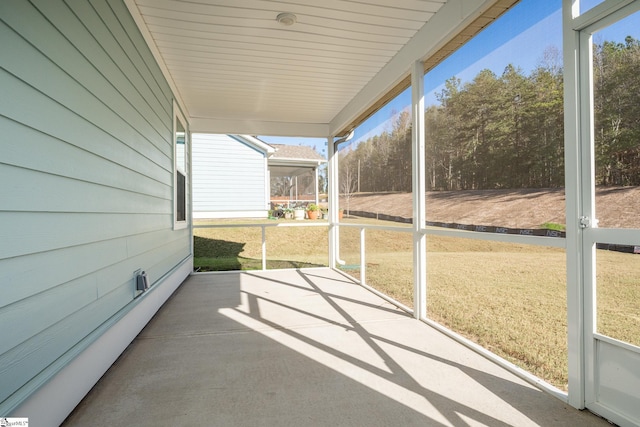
{"x": 305, "y": 347}
{"x": 97, "y": 270}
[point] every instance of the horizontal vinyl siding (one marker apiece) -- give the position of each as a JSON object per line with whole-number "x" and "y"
{"x": 87, "y": 178}
{"x": 228, "y": 175}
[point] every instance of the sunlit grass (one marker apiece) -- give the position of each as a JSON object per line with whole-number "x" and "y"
{"x": 240, "y": 248}
{"x": 553, "y": 226}
{"x": 618, "y": 295}
{"x": 509, "y": 298}
{"x": 389, "y": 259}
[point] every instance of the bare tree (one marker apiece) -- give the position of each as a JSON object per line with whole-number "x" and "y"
{"x": 348, "y": 180}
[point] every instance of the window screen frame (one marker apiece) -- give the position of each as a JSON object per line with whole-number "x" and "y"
{"x": 181, "y": 172}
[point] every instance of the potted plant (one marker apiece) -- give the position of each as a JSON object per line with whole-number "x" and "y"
{"x": 312, "y": 211}
{"x": 298, "y": 212}
{"x": 288, "y": 213}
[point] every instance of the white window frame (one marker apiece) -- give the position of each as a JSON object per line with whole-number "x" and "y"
{"x": 178, "y": 117}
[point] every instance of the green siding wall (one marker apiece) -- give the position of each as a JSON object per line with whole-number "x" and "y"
{"x": 86, "y": 194}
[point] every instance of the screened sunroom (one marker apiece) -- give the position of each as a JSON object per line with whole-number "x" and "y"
{"x": 478, "y": 262}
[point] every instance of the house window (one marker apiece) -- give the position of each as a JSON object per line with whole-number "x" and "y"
{"x": 181, "y": 175}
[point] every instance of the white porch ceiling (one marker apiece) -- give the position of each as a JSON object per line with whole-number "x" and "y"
{"x": 235, "y": 69}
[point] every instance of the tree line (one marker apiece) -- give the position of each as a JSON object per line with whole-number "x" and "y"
{"x": 507, "y": 131}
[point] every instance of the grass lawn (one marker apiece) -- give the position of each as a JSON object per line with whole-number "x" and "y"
{"x": 389, "y": 260}
{"x": 509, "y": 298}
{"x": 240, "y": 248}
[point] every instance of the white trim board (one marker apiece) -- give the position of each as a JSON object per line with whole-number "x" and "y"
{"x": 230, "y": 214}
{"x": 53, "y": 402}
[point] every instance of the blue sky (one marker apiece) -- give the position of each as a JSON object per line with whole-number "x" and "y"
{"x": 527, "y": 30}
{"x": 519, "y": 28}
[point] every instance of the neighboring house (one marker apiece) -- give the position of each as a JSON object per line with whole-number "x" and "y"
{"x": 294, "y": 171}
{"x": 230, "y": 176}
{"x": 240, "y": 176}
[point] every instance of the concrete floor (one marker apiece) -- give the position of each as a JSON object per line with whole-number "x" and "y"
{"x": 305, "y": 348}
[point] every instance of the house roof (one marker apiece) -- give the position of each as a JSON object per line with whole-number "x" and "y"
{"x": 293, "y": 160}
{"x": 236, "y": 70}
{"x": 257, "y": 143}
{"x": 296, "y": 152}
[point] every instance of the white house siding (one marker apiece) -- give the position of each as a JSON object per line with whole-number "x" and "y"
{"x": 86, "y": 192}
{"x": 229, "y": 177}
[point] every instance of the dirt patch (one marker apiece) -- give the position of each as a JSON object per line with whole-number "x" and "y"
{"x": 615, "y": 206}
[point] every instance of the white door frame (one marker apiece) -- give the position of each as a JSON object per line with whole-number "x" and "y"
{"x": 602, "y": 371}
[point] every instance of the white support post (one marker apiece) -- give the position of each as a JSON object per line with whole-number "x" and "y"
{"x": 363, "y": 262}
{"x": 332, "y": 199}
{"x": 575, "y": 291}
{"x": 267, "y": 190}
{"x": 264, "y": 247}
{"x": 419, "y": 190}
{"x": 316, "y": 186}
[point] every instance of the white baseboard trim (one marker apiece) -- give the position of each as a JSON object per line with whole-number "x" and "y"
{"x": 53, "y": 401}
